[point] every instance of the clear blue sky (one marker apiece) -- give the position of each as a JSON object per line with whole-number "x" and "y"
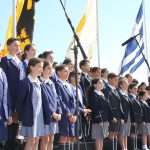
{"x": 52, "y": 31}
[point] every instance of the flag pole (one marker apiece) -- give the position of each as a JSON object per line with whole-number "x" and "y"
{"x": 145, "y": 36}
{"x": 98, "y": 50}
{"x": 14, "y": 18}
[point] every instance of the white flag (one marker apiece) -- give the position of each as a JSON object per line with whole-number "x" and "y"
{"x": 87, "y": 32}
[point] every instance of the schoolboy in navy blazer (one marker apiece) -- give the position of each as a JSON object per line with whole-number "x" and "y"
{"x": 14, "y": 71}
{"x": 113, "y": 97}
{"x": 85, "y": 80}
{"x": 68, "y": 105}
{"x": 67, "y": 99}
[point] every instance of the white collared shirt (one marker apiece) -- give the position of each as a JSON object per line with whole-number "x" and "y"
{"x": 15, "y": 58}
{"x": 79, "y": 93}
{"x": 19, "y": 65}
{"x": 65, "y": 83}
{"x": 105, "y": 80}
{"x": 98, "y": 92}
{"x": 133, "y": 95}
{"x": 112, "y": 87}
{"x": 86, "y": 76}
{"x": 32, "y": 80}
{"x": 123, "y": 92}
{"x": 26, "y": 61}
{"x": 0, "y": 72}
{"x": 46, "y": 81}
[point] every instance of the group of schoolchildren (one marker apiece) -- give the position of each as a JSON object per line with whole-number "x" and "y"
{"x": 45, "y": 99}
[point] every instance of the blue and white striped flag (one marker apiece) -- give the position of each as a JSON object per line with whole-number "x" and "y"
{"x": 133, "y": 57}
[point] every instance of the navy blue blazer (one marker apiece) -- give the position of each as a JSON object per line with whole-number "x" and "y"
{"x": 25, "y": 65}
{"x": 148, "y": 101}
{"x": 68, "y": 102}
{"x": 136, "y": 110}
{"x": 84, "y": 83}
{"x": 101, "y": 111}
{"x": 126, "y": 105}
{"x": 24, "y": 105}
{"x": 5, "y": 100}
{"x": 51, "y": 101}
{"x": 115, "y": 102}
{"x": 146, "y": 112}
{"x": 13, "y": 78}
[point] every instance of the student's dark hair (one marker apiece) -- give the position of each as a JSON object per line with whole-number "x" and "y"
{"x": 45, "y": 64}
{"x": 94, "y": 69}
{"x": 132, "y": 85}
{"x": 92, "y": 88}
{"x": 55, "y": 64}
{"x": 40, "y": 56}
{"x": 103, "y": 70}
{"x": 67, "y": 61}
{"x": 46, "y": 53}
{"x": 33, "y": 62}
{"x": 26, "y": 48}
{"x": 143, "y": 83}
{"x": 83, "y": 62}
{"x": 111, "y": 76}
{"x": 60, "y": 68}
{"x": 147, "y": 88}
{"x": 135, "y": 81}
{"x": 127, "y": 75}
{"x": 141, "y": 93}
{"x": 72, "y": 74}
{"x": 11, "y": 40}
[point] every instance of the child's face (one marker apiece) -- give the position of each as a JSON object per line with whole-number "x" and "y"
{"x": 37, "y": 69}
{"x": 14, "y": 47}
{"x": 47, "y": 71}
{"x": 99, "y": 85}
{"x": 144, "y": 97}
{"x": 113, "y": 81}
{"x": 70, "y": 66}
{"x": 32, "y": 52}
{"x": 63, "y": 74}
{"x": 50, "y": 58}
{"x": 86, "y": 67}
{"x": 124, "y": 86}
{"x": 133, "y": 90}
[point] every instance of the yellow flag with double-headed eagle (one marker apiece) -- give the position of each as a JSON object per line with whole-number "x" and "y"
{"x": 25, "y": 11}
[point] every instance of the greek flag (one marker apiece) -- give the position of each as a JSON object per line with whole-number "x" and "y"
{"x": 133, "y": 57}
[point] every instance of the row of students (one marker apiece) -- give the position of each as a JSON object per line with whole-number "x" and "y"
{"x": 65, "y": 102}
